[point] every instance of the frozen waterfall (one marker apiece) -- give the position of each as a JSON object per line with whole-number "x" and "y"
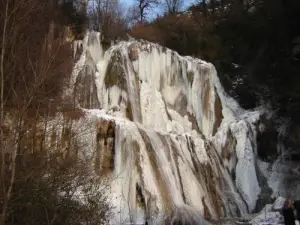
{"x": 173, "y": 146}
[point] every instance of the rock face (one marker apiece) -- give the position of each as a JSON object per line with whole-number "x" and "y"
{"x": 168, "y": 139}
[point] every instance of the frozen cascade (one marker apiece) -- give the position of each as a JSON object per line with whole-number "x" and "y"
{"x": 168, "y": 138}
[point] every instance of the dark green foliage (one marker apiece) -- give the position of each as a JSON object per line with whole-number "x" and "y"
{"x": 267, "y": 141}
{"x": 261, "y": 44}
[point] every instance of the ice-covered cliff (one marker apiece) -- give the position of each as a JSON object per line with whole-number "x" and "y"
{"x": 171, "y": 143}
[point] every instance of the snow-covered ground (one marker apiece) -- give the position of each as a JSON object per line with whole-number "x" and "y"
{"x": 269, "y": 215}
{"x": 269, "y": 218}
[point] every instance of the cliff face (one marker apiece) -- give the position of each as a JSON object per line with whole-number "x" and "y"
{"x": 167, "y": 137}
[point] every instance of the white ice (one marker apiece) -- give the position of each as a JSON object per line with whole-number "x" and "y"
{"x": 169, "y": 148}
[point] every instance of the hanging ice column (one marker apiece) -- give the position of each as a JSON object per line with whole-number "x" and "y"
{"x": 172, "y": 143}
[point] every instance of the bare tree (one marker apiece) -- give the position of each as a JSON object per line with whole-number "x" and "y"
{"x": 108, "y": 17}
{"x": 35, "y": 60}
{"x": 204, "y": 4}
{"x": 133, "y": 15}
{"x": 173, "y": 6}
{"x": 3, "y": 48}
{"x": 7, "y": 24}
{"x": 144, "y": 6}
{"x": 26, "y": 65}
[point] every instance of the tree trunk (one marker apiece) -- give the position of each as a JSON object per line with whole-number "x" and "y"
{"x": 3, "y": 48}
{"x": 204, "y": 7}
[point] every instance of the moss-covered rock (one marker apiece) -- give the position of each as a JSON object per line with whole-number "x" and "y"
{"x": 115, "y": 74}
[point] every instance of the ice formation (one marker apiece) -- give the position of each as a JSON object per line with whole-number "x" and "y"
{"x": 170, "y": 141}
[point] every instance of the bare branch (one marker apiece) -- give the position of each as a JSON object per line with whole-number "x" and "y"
{"x": 144, "y": 6}
{"x": 173, "y": 6}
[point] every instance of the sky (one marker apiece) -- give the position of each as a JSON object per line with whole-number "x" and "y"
{"x": 156, "y": 11}
{"x": 129, "y": 2}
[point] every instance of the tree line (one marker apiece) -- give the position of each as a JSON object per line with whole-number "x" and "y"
{"x": 114, "y": 19}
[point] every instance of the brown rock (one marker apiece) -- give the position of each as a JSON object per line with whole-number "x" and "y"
{"x": 105, "y": 151}
{"x": 133, "y": 52}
